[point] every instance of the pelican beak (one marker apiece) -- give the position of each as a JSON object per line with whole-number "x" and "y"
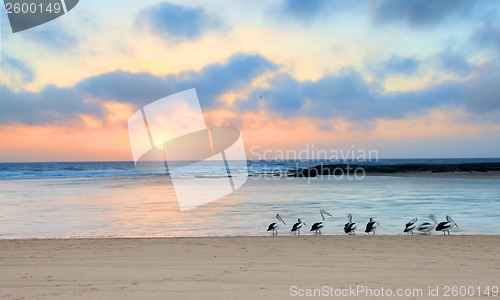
{"x": 282, "y": 220}
{"x": 454, "y": 222}
{"x": 327, "y": 213}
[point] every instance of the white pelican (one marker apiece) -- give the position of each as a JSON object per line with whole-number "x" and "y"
{"x": 297, "y": 226}
{"x": 350, "y": 227}
{"x": 371, "y": 226}
{"x": 275, "y": 225}
{"x": 319, "y": 225}
{"x": 446, "y": 226}
{"x": 427, "y": 226}
{"x": 410, "y": 226}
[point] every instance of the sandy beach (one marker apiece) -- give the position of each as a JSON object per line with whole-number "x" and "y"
{"x": 246, "y": 267}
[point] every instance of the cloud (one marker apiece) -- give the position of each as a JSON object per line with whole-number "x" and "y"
{"x": 347, "y": 95}
{"x": 487, "y": 36}
{"x": 177, "y": 22}
{"x": 54, "y": 104}
{"x": 395, "y": 65}
{"x": 414, "y": 13}
{"x": 210, "y": 82}
{"x": 305, "y": 10}
{"x": 417, "y": 13}
{"x": 122, "y": 86}
{"x": 54, "y": 36}
{"x": 401, "y": 65}
{"x": 50, "y": 105}
{"x": 16, "y": 68}
{"x": 308, "y": 11}
{"x": 481, "y": 93}
{"x": 453, "y": 62}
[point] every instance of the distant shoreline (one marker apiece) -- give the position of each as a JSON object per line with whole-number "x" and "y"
{"x": 456, "y": 170}
{"x": 457, "y": 175}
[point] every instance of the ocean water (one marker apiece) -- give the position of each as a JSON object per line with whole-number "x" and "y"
{"x": 113, "y": 199}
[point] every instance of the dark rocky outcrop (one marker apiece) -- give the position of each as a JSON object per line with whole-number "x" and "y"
{"x": 342, "y": 169}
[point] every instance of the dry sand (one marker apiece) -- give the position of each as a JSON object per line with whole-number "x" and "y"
{"x": 243, "y": 267}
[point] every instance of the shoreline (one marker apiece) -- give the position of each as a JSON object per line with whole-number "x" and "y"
{"x": 284, "y": 236}
{"x": 428, "y": 174}
{"x": 397, "y": 169}
{"x": 242, "y": 267}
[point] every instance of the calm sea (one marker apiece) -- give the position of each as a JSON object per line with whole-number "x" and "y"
{"x": 113, "y": 199}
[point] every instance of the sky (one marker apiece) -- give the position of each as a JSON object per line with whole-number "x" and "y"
{"x": 409, "y": 79}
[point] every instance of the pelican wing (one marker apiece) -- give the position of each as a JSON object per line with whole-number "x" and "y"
{"x": 409, "y": 227}
{"x": 349, "y": 227}
{"x": 443, "y": 226}
{"x": 297, "y": 226}
{"x": 426, "y": 226}
{"x": 370, "y": 226}
{"x": 316, "y": 226}
{"x": 410, "y": 224}
{"x": 272, "y": 226}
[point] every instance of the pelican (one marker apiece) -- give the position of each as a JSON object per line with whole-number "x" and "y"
{"x": 427, "y": 226}
{"x": 371, "y": 226}
{"x": 446, "y": 226}
{"x": 275, "y": 225}
{"x": 350, "y": 227}
{"x": 410, "y": 226}
{"x": 297, "y": 226}
{"x": 319, "y": 225}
